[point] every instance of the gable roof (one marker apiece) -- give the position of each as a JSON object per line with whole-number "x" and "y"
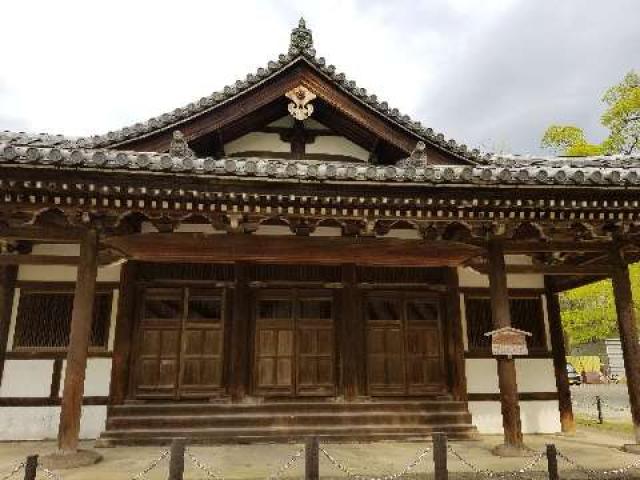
{"x": 301, "y": 50}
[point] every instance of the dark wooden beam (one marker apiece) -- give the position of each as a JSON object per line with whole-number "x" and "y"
{"x": 79, "y": 338}
{"x": 200, "y": 248}
{"x": 8, "y": 276}
{"x": 628, "y": 332}
{"x": 562, "y": 269}
{"x": 501, "y": 317}
{"x": 70, "y": 260}
{"x": 42, "y": 234}
{"x": 528, "y": 246}
{"x": 558, "y": 349}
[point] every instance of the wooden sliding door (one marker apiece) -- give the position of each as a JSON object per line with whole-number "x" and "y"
{"x": 180, "y": 343}
{"x": 404, "y": 345}
{"x": 294, "y": 347}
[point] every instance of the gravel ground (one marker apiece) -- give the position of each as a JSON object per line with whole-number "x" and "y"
{"x": 615, "y": 401}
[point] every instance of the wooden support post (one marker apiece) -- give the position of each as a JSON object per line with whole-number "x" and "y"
{"x": 552, "y": 462}
{"x": 351, "y": 351}
{"x": 240, "y": 333}
{"x": 125, "y": 326}
{"x": 501, "y": 317}
{"x": 456, "y": 363}
{"x": 628, "y": 334}
{"x": 599, "y": 409}
{"x": 567, "y": 422}
{"x": 8, "y": 275}
{"x": 176, "y": 461}
{"x": 312, "y": 459}
{"x": 440, "y": 456}
{"x": 81, "y": 319}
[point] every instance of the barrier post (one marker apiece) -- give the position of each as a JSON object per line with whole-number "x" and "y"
{"x": 599, "y": 407}
{"x": 312, "y": 459}
{"x": 176, "y": 462}
{"x": 31, "y": 467}
{"x": 440, "y": 456}
{"x": 552, "y": 462}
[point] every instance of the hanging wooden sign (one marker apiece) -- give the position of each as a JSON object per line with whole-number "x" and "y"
{"x": 508, "y": 341}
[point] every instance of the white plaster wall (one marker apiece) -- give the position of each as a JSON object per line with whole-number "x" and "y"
{"x": 273, "y": 230}
{"x": 470, "y": 278}
{"x": 335, "y": 145}
{"x": 257, "y": 141}
{"x": 97, "y": 379}
{"x": 26, "y": 378}
{"x": 536, "y": 416}
{"x": 327, "y": 232}
{"x": 40, "y": 423}
{"x": 482, "y": 375}
{"x": 535, "y": 375}
{"x": 406, "y": 233}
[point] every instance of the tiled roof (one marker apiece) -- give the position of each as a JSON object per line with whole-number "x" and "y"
{"x": 300, "y": 50}
{"x": 594, "y": 171}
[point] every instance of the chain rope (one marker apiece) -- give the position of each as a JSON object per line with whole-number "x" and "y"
{"x": 203, "y": 466}
{"x": 151, "y": 466}
{"x": 15, "y": 470}
{"x": 287, "y": 465}
{"x": 49, "y": 474}
{"x": 493, "y": 474}
{"x": 393, "y": 476}
{"x": 616, "y": 472}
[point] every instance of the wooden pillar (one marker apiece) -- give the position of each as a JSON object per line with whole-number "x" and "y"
{"x": 79, "y": 338}
{"x": 351, "y": 348}
{"x": 456, "y": 365}
{"x": 501, "y": 317}
{"x": 628, "y": 332}
{"x": 240, "y": 332}
{"x": 567, "y": 422}
{"x": 125, "y": 323}
{"x": 8, "y": 275}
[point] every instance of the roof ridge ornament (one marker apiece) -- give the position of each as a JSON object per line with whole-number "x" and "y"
{"x": 417, "y": 158}
{"x": 179, "y": 146}
{"x": 300, "y": 108}
{"x": 301, "y": 39}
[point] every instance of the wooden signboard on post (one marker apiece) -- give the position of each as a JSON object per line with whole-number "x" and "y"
{"x": 508, "y": 341}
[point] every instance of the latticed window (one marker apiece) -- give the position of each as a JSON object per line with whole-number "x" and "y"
{"x": 526, "y": 314}
{"x": 44, "y": 319}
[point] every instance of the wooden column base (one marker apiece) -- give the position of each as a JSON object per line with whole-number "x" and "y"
{"x": 505, "y": 450}
{"x": 63, "y": 461}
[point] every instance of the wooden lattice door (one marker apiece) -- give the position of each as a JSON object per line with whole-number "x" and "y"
{"x": 294, "y": 352}
{"x": 404, "y": 345}
{"x": 180, "y": 343}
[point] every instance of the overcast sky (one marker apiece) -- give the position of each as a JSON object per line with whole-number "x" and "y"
{"x": 490, "y": 73}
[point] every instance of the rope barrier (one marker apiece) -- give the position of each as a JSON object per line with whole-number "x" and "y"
{"x": 151, "y": 466}
{"x": 287, "y": 465}
{"x": 208, "y": 470}
{"x": 340, "y": 466}
{"x": 493, "y": 474}
{"x": 15, "y": 470}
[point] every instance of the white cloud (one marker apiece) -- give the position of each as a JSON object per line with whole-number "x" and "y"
{"x": 81, "y": 67}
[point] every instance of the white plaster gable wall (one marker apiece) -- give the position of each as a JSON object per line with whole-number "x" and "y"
{"x": 26, "y": 378}
{"x": 335, "y": 145}
{"x": 40, "y": 423}
{"x": 536, "y": 416}
{"x": 326, "y": 232}
{"x": 406, "y": 233}
{"x": 257, "y": 142}
{"x": 273, "y": 230}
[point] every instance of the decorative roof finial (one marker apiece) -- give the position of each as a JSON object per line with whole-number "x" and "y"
{"x": 301, "y": 38}
{"x": 179, "y": 146}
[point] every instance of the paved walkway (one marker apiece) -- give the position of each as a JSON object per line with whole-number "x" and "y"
{"x": 589, "y": 448}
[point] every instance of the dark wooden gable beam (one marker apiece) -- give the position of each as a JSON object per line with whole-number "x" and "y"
{"x": 245, "y": 105}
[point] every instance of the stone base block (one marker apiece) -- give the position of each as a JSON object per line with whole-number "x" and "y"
{"x": 66, "y": 460}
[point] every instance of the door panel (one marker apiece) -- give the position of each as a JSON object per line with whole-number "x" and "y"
{"x": 404, "y": 346}
{"x": 294, "y": 345}
{"x": 180, "y": 346}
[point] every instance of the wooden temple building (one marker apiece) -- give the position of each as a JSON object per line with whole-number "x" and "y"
{"x": 289, "y": 257}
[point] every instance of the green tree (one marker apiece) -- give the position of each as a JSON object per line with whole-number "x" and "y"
{"x": 621, "y": 118}
{"x": 589, "y": 312}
